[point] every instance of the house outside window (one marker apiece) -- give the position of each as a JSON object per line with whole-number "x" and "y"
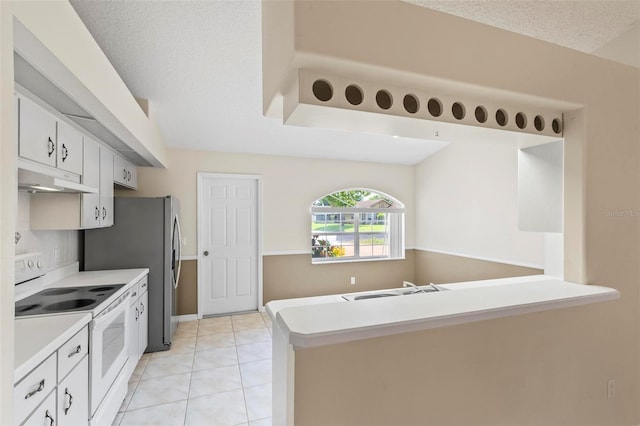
{"x": 356, "y": 224}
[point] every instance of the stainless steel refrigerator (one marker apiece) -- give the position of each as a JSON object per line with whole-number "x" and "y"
{"x": 145, "y": 234}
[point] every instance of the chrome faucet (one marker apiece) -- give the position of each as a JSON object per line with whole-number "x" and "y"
{"x": 416, "y": 289}
{"x": 408, "y": 284}
{"x": 431, "y": 287}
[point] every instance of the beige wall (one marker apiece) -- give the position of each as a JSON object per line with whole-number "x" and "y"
{"x": 295, "y": 276}
{"x": 545, "y": 369}
{"x": 289, "y": 276}
{"x": 548, "y": 368}
{"x": 444, "y": 268}
{"x": 289, "y": 186}
{"x": 187, "y": 292}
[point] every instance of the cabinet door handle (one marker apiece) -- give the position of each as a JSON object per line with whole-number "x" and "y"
{"x": 65, "y": 152}
{"x": 137, "y": 314}
{"x": 33, "y": 392}
{"x": 76, "y": 351}
{"x": 52, "y": 147}
{"x": 47, "y": 416}
{"x": 128, "y": 175}
{"x": 66, "y": 393}
{"x": 134, "y": 294}
{"x": 124, "y": 174}
{"x": 104, "y": 213}
{"x": 97, "y": 213}
{"x": 141, "y": 308}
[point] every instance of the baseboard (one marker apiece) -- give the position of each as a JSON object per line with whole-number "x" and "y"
{"x": 189, "y": 317}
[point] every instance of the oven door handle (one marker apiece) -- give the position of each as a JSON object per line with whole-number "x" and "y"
{"x": 113, "y": 311}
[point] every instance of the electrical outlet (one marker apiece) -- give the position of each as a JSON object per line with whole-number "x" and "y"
{"x": 353, "y": 280}
{"x": 611, "y": 389}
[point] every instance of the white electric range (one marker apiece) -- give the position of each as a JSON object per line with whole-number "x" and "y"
{"x": 107, "y": 303}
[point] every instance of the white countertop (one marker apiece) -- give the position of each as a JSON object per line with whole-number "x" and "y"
{"x": 38, "y": 337}
{"x": 324, "y": 320}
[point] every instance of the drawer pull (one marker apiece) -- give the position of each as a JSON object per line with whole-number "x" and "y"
{"x": 66, "y": 393}
{"x": 76, "y": 351}
{"x": 141, "y": 308}
{"x": 47, "y": 416}
{"x": 40, "y": 387}
{"x": 134, "y": 294}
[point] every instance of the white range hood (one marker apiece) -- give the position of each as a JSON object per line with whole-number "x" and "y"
{"x": 37, "y": 178}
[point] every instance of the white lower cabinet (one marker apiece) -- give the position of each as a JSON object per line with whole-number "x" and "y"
{"x": 73, "y": 397}
{"x": 33, "y": 389}
{"x": 48, "y": 396}
{"x": 138, "y": 322}
{"x": 143, "y": 321}
{"x": 45, "y": 414}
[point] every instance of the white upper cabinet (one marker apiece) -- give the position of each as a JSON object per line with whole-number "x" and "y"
{"x": 125, "y": 173}
{"x": 91, "y": 212}
{"x": 106, "y": 187}
{"x": 69, "y": 148}
{"x": 36, "y": 133}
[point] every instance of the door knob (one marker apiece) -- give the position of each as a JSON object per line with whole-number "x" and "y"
{"x": 206, "y": 253}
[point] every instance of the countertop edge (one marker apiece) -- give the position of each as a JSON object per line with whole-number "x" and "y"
{"x": 20, "y": 371}
{"x": 308, "y": 340}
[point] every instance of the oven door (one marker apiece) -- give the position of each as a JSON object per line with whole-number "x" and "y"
{"x": 108, "y": 349}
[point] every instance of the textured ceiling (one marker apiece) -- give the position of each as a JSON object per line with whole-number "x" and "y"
{"x": 199, "y": 65}
{"x": 583, "y": 25}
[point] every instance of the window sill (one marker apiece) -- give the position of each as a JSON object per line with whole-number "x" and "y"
{"x": 379, "y": 259}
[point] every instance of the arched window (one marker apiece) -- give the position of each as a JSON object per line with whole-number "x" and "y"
{"x": 356, "y": 224}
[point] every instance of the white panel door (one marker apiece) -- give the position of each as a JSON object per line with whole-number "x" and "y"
{"x": 229, "y": 245}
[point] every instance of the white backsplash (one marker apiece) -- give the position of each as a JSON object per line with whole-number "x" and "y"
{"x": 59, "y": 248}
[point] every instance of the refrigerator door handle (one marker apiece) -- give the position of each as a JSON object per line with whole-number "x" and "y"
{"x": 179, "y": 254}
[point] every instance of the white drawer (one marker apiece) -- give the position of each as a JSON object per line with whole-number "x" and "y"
{"x": 134, "y": 293}
{"x": 72, "y": 352}
{"x": 45, "y": 414}
{"x": 143, "y": 285}
{"x": 33, "y": 389}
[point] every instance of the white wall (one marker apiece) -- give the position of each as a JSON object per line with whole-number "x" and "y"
{"x": 467, "y": 204}
{"x": 290, "y": 185}
{"x": 540, "y": 187}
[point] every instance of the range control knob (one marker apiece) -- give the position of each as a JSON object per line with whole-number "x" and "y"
{"x": 39, "y": 263}
{"x": 30, "y": 263}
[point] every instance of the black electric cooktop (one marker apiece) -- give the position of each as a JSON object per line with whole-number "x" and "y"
{"x": 65, "y": 299}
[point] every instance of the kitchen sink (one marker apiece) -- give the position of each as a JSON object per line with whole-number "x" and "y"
{"x": 392, "y": 293}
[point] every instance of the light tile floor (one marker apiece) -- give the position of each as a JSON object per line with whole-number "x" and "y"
{"x": 217, "y": 373}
